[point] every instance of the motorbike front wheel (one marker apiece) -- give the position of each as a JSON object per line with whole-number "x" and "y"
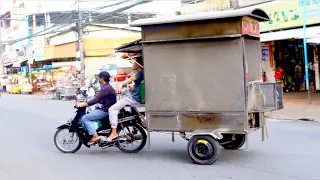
{"x": 70, "y": 142}
{"x": 132, "y": 138}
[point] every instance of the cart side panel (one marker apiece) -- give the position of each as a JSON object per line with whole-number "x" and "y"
{"x": 252, "y": 49}
{"x": 191, "y": 121}
{"x": 205, "y": 76}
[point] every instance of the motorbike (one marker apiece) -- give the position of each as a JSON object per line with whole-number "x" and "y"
{"x": 131, "y": 130}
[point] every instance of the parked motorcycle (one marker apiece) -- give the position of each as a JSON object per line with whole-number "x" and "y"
{"x": 131, "y": 131}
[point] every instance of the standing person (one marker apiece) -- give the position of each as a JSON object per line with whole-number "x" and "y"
{"x": 134, "y": 98}
{"x": 264, "y": 77}
{"x": 279, "y": 74}
{"x": 298, "y": 75}
{"x": 107, "y": 97}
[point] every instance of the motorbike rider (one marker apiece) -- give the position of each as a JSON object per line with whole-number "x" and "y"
{"x": 134, "y": 98}
{"x": 107, "y": 97}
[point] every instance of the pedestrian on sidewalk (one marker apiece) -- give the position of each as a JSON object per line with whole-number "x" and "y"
{"x": 299, "y": 77}
{"x": 279, "y": 75}
{"x": 264, "y": 77}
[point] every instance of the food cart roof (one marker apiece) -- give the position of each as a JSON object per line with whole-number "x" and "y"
{"x": 255, "y": 13}
{"x": 131, "y": 47}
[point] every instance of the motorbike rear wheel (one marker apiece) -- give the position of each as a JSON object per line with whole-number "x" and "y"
{"x": 133, "y": 133}
{"x": 68, "y": 139}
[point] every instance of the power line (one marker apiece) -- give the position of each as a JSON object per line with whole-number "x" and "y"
{"x": 95, "y": 19}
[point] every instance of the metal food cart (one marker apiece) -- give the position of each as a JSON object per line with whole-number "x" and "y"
{"x": 203, "y": 79}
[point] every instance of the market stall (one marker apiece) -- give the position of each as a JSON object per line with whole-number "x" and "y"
{"x": 18, "y": 85}
{"x": 61, "y": 83}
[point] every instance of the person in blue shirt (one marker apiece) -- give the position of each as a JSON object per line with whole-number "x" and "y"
{"x": 134, "y": 98}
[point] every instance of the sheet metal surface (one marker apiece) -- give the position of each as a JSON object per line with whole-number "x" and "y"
{"x": 253, "y": 58}
{"x": 203, "y": 76}
{"x": 256, "y": 13}
{"x": 265, "y": 97}
{"x": 188, "y": 122}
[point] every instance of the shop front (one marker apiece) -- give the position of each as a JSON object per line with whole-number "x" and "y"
{"x": 67, "y": 50}
{"x": 287, "y": 57}
{"x": 99, "y": 48}
{"x": 282, "y": 44}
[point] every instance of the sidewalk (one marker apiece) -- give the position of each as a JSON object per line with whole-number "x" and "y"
{"x": 297, "y": 107}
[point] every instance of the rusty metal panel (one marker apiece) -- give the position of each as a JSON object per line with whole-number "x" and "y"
{"x": 189, "y": 121}
{"x": 163, "y": 121}
{"x": 222, "y": 121}
{"x": 192, "y": 30}
{"x": 205, "y": 76}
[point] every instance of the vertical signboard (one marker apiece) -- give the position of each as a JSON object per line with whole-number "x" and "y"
{"x": 265, "y": 53}
{"x": 316, "y": 66}
{"x": 271, "y": 57}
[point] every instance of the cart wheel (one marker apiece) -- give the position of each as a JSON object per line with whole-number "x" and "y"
{"x": 203, "y": 150}
{"x": 233, "y": 141}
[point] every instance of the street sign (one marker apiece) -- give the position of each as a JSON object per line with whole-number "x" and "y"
{"x": 24, "y": 69}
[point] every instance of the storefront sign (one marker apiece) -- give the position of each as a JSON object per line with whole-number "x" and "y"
{"x": 39, "y": 54}
{"x": 250, "y": 27}
{"x": 9, "y": 56}
{"x": 64, "y": 64}
{"x": 206, "y": 6}
{"x": 289, "y": 13}
{"x": 47, "y": 66}
{"x": 64, "y": 38}
{"x": 271, "y": 57}
{"x": 265, "y": 53}
{"x": 245, "y": 3}
{"x": 21, "y": 31}
{"x": 3, "y": 34}
{"x": 38, "y": 46}
{"x": 24, "y": 69}
{"x": 316, "y": 66}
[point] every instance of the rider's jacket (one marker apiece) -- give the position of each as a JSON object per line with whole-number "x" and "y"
{"x": 106, "y": 96}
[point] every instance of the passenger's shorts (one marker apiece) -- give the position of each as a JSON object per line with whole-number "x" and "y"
{"x": 300, "y": 80}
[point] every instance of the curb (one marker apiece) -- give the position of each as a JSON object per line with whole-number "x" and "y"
{"x": 295, "y": 119}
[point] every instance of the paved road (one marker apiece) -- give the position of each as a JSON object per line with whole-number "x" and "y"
{"x": 27, "y": 151}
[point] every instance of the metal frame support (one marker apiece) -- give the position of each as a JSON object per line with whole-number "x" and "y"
{"x": 149, "y": 140}
{"x": 247, "y": 142}
{"x": 173, "y": 137}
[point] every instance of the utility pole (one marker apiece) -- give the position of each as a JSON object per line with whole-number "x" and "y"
{"x": 81, "y": 49}
{"x": 1, "y": 60}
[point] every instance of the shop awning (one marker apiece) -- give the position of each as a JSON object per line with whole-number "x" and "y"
{"x": 44, "y": 69}
{"x": 16, "y": 64}
{"x": 290, "y": 34}
{"x": 131, "y": 47}
{"x": 314, "y": 39}
{"x": 7, "y": 64}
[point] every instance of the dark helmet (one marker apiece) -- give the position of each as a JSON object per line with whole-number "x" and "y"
{"x": 105, "y": 75}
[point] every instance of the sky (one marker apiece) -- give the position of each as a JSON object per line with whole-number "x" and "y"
{"x": 5, "y": 5}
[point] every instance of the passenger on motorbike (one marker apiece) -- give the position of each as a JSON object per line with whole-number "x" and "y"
{"x": 134, "y": 98}
{"x": 107, "y": 97}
